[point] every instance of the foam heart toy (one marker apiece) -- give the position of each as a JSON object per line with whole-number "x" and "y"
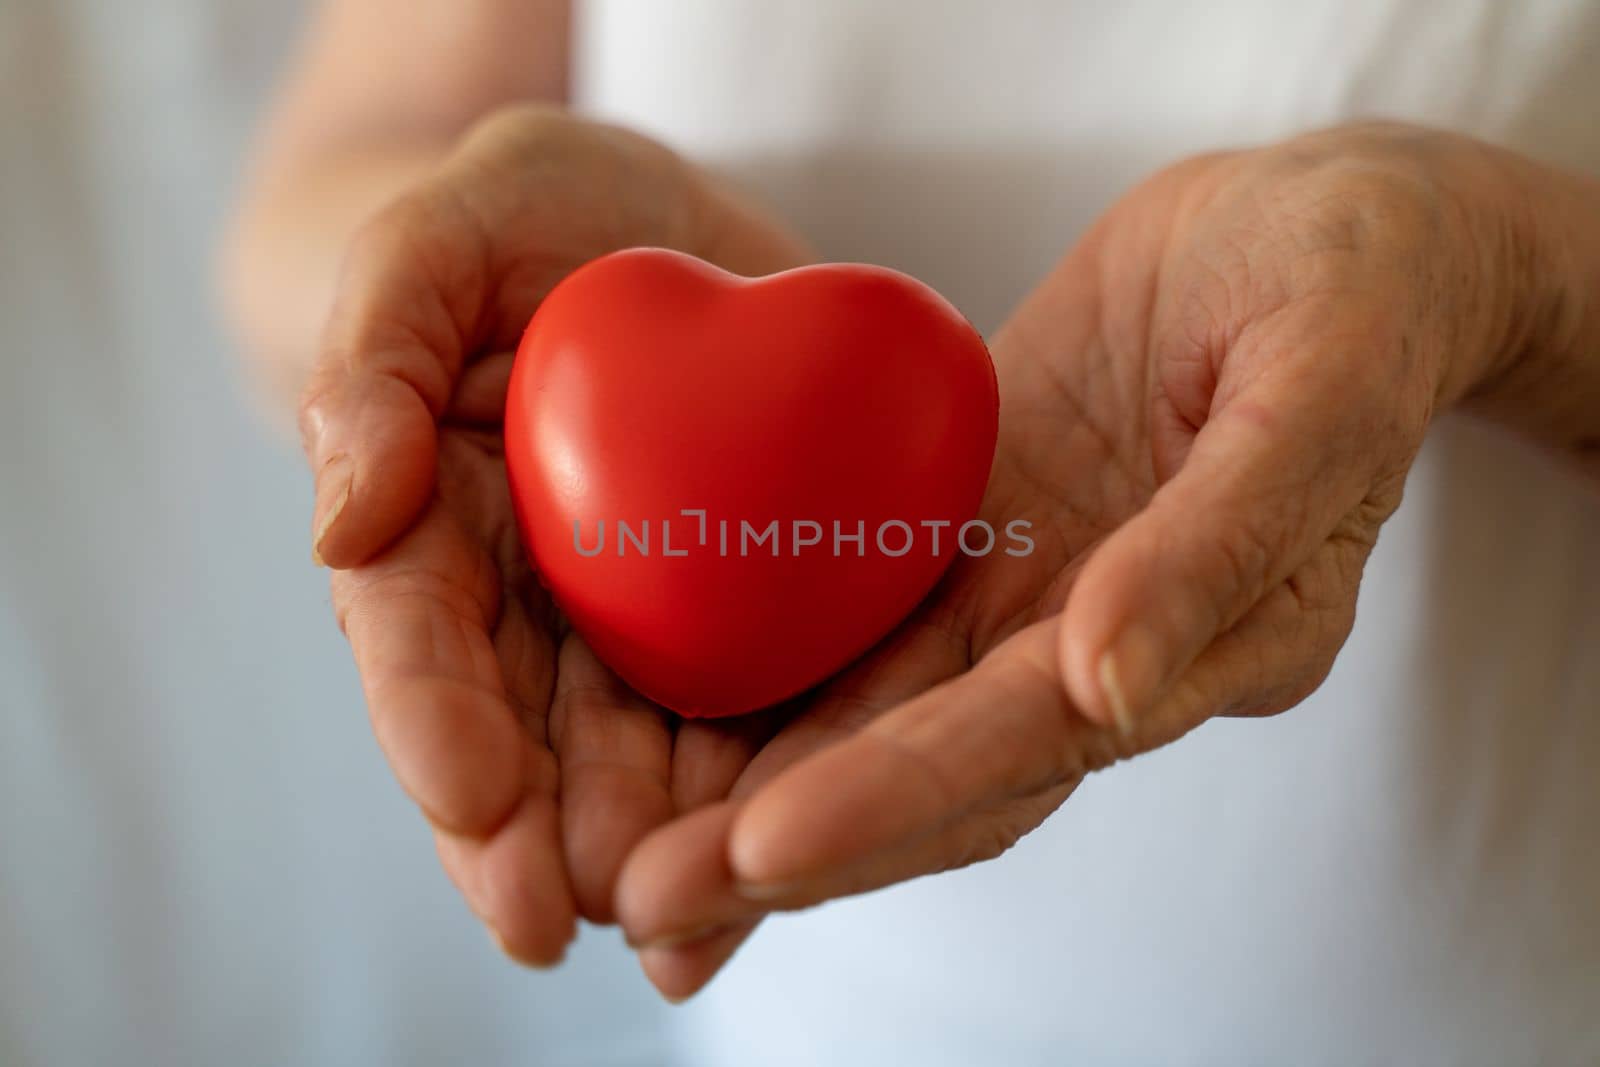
{"x": 733, "y": 487}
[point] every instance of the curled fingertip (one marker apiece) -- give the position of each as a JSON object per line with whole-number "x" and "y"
{"x": 532, "y": 960}
{"x": 681, "y": 972}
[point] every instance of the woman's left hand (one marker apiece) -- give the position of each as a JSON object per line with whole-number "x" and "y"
{"x": 1208, "y": 411}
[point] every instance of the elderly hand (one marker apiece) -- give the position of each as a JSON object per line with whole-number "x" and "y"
{"x": 475, "y": 693}
{"x": 1208, "y": 411}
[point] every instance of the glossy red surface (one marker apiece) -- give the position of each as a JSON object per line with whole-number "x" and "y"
{"x": 650, "y": 382}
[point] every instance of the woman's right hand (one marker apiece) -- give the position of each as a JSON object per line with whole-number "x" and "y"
{"x": 476, "y": 694}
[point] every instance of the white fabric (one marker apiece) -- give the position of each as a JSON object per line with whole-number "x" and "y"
{"x": 1406, "y": 869}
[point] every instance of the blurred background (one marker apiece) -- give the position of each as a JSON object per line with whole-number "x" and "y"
{"x": 202, "y": 856}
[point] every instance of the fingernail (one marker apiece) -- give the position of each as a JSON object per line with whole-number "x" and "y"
{"x": 333, "y": 493}
{"x": 1130, "y": 675}
{"x": 680, "y": 938}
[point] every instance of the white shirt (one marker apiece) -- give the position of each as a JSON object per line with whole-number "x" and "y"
{"x": 1406, "y": 868}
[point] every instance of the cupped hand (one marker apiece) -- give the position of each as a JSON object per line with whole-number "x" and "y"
{"x": 501, "y": 727}
{"x": 1208, "y": 411}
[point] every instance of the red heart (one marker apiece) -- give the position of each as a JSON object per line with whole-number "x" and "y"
{"x": 650, "y": 383}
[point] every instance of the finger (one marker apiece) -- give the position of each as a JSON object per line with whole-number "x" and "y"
{"x": 932, "y": 647}
{"x": 409, "y": 302}
{"x": 515, "y": 881}
{"x": 615, "y": 751}
{"x": 480, "y": 395}
{"x": 681, "y": 971}
{"x": 418, "y": 621}
{"x": 1283, "y": 458}
{"x": 680, "y": 875}
{"x": 681, "y": 867}
{"x": 671, "y": 871}
{"x": 982, "y": 835}
{"x": 1007, "y": 730}
{"x": 667, "y": 903}
{"x": 676, "y": 886}
{"x": 680, "y": 888}
{"x": 676, "y": 903}
{"x": 908, "y": 772}
{"x": 682, "y": 946}
{"x": 1276, "y": 656}
{"x": 681, "y": 882}
{"x": 710, "y": 755}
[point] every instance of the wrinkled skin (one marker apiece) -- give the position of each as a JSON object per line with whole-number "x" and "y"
{"x": 1208, "y": 411}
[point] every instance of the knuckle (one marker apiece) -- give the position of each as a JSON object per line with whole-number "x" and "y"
{"x": 1184, "y": 176}
{"x": 1096, "y": 750}
{"x": 1062, "y": 749}
{"x": 1218, "y": 292}
{"x": 991, "y": 833}
{"x": 1340, "y": 194}
{"x": 1292, "y": 691}
{"x": 1357, "y": 205}
{"x": 989, "y": 840}
{"x": 1241, "y": 563}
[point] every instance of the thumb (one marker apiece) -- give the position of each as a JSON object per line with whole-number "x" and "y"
{"x": 410, "y": 296}
{"x": 1281, "y": 461}
{"x": 433, "y": 277}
